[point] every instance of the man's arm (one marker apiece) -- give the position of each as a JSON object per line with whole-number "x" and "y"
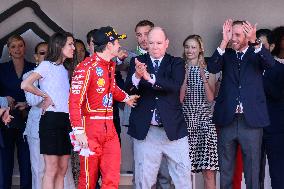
{"x": 173, "y": 82}
{"x": 215, "y": 62}
{"x": 265, "y": 58}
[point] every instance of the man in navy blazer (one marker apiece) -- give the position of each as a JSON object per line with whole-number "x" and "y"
{"x": 240, "y": 108}
{"x": 157, "y": 123}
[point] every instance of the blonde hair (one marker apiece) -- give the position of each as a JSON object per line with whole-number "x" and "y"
{"x": 15, "y": 38}
{"x": 198, "y": 39}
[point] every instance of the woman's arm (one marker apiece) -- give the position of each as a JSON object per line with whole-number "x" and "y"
{"x": 209, "y": 85}
{"x": 27, "y": 85}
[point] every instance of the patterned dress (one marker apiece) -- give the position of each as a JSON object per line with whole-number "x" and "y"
{"x": 198, "y": 116}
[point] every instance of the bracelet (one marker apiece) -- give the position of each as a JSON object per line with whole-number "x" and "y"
{"x": 44, "y": 95}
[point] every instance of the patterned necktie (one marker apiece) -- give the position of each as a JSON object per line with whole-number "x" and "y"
{"x": 156, "y": 66}
{"x": 157, "y": 117}
{"x": 156, "y": 112}
{"x": 239, "y": 55}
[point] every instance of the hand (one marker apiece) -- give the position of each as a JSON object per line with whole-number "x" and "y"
{"x": 227, "y": 30}
{"x": 201, "y": 63}
{"x": 250, "y": 31}
{"x": 202, "y": 74}
{"x": 11, "y": 102}
{"x": 47, "y": 101}
{"x": 6, "y": 117}
{"x": 122, "y": 54}
{"x": 140, "y": 69}
{"x": 2, "y": 110}
{"x": 146, "y": 76}
{"x": 82, "y": 139}
{"x": 132, "y": 100}
{"x": 21, "y": 105}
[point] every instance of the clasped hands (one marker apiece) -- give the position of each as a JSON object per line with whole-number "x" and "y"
{"x": 16, "y": 105}
{"x": 141, "y": 70}
{"x": 4, "y": 114}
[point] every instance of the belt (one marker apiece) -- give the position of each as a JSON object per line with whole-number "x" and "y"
{"x": 160, "y": 126}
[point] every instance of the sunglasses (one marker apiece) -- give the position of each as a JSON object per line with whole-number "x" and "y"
{"x": 42, "y": 53}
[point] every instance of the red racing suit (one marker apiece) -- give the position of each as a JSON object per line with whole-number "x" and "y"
{"x": 93, "y": 89}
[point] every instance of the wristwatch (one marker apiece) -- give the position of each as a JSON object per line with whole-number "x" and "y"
{"x": 257, "y": 42}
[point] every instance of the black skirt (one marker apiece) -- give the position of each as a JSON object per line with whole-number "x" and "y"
{"x": 54, "y": 128}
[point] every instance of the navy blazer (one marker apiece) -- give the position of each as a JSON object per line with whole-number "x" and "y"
{"x": 164, "y": 94}
{"x": 246, "y": 85}
{"x": 273, "y": 81}
{"x": 10, "y": 84}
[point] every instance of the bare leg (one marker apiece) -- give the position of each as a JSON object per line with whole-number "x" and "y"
{"x": 50, "y": 172}
{"x": 62, "y": 168}
{"x": 209, "y": 179}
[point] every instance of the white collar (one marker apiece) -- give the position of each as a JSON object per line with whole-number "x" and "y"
{"x": 160, "y": 59}
{"x": 243, "y": 51}
{"x": 141, "y": 50}
{"x": 279, "y": 59}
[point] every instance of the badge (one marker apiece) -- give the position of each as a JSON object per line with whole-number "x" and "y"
{"x": 101, "y": 82}
{"x": 107, "y": 100}
{"x": 99, "y": 71}
{"x": 100, "y": 90}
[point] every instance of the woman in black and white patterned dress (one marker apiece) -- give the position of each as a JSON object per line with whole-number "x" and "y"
{"x": 197, "y": 95}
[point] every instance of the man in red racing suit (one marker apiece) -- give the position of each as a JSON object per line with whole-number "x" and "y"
{"x": 93, "y": 89}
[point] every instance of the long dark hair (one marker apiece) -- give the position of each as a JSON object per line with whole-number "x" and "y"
{"x": 277, "y": 34}
{"x": 55, "y": 44}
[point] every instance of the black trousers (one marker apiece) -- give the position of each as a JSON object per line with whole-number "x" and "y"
{"x": 274, "y": 147}
{"x": 11, "y": 138}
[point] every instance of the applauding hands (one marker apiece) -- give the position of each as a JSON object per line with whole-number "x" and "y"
{"x": 141, "y": 70}
{"x": 239, "y": 33}
{"x": 250, "y": 31}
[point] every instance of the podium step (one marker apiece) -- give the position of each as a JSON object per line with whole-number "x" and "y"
{"x": 125, "y": 180}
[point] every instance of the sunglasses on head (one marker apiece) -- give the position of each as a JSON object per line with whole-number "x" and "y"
{"x": 42, "y": 53}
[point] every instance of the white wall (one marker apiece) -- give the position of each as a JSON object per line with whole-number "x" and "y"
{"x": 180, "y": 18}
